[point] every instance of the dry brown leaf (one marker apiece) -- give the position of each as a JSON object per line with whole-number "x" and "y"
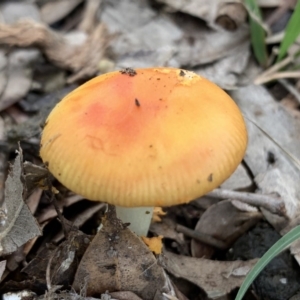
{"x": 2, "y": 268}
{"x": 124, "y": 296}
{"x": 226, "y": 14}
{"x": 18, "y": 75}
{"x": 53, "y": 11}
{"x": 118, "y": 260}
{"x": 62, "y": 261}
{"x": 3, "y": 66}
{"x": 89, "y": 16}
{"x": 273, "y": 170}
{"x": 167, "y": 228}
{"x": 19, "y": 225}
{"x": 81, "y": 58}
{"x": 16, "y": 65}
{"x": 12, "y": 11}
{"x": 224, "y": 222}
{"x": 216, "y": 278}
{"x": 240, "y": 179}
{"x": 80, "y": 219}
{"x": 228, "y": 71}
{"x": 145, "y": 37}
{"x": 33, "y": 175}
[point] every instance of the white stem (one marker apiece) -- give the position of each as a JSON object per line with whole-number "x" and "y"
{"x": 138, "y": 217}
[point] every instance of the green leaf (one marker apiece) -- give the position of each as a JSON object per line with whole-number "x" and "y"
{"x": 292, "y": 31}
{"x": 257, "y": 32}
{"x": 278, "y": 247}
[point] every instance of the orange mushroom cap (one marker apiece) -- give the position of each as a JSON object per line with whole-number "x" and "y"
{"x": 150, "y": 137}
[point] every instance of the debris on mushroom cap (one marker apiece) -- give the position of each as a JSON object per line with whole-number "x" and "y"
{"x": 161, "y": 137}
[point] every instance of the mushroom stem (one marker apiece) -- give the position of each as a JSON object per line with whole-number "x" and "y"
{"x": 138, "y": 217}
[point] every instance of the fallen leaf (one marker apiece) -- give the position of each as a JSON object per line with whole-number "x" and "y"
{"x": 240, "y": 179}
{"x": 33, "y": 175}
{"x": 52, "y": 12}
{"x": 217, "y": 13}
{"x": 2, "y": 268}
{"x": 118, "y": 260}
{"x": 273, "y": 170}
{"x": 216, "y": 278}
{"x": 124, "y": 296}
{"x": 80, "y": 55}
{"x": 167, "y": 228}
{"x": 80, "y": 219}
{"x": 62, "y": 261}
{"x": 224, "y": 222}
{"x": 19, "y": 225}
{"x": 17, "y": 71}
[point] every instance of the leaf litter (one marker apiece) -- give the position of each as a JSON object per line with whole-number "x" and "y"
{"x": 18, "y": 225}
{"x": 52, "y": 44}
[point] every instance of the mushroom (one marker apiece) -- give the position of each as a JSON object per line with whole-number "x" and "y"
{"x": 143, "y": 138}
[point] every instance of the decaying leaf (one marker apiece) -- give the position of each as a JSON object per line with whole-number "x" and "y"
{"x": 118, "y": 260}
{"x": 16, "y": 64}
{"x": 273, "y": 170}
{"x": 34, "y": 176}
{"x": 216, "y": 278}
{"x": 2, "y": 268}
{"x": 228, "y": 228}
{"x": 19, "y": 225}
{"x": 19, "y": 75}
{"x": 240, "y": 179}
{"x": 157, "y": 38}
{"x": 167, "y": 229}
{"x": 62, "y": 261}
{"x": 53, "y": 11}
{"x": 226, "y": 14}
{"x": 80, "y": 55}
{"x": 124, "y": 296}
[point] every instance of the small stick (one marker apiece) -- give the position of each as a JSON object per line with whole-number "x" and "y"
{"x": 275, "y": 68}
{"x": 202, "y": 237}
{"x": 272, "y": 204}
{"x": 53, "y": 201}
{"x": 291, "y": 89}
{"x": 89, "y": 21}
{"x": 278, "y": 75}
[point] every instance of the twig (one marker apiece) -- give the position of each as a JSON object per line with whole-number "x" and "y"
{"x": 202, "y": 237}
{"x": 275, "y": 38}
{"x": 60, "y": 216}
{"x": 3, "y": 169}
{"x": 48, "y": 271}
{"x": 291, "y": 89}
{"x": 169, "y": 296}
{"x": 275, "y": 68}
{"x": 89, "y": 21}
{"x": 272, "y": 204}
{"x": 279, "y": 75}
{"x": 279, "y": 12}
{"x": 57, "y": 208}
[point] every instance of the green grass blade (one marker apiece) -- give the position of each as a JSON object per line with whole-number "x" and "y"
{"x": 292, "y": 31}
{"x": 278, "y": 247}
{"x": 257, "y": 32}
